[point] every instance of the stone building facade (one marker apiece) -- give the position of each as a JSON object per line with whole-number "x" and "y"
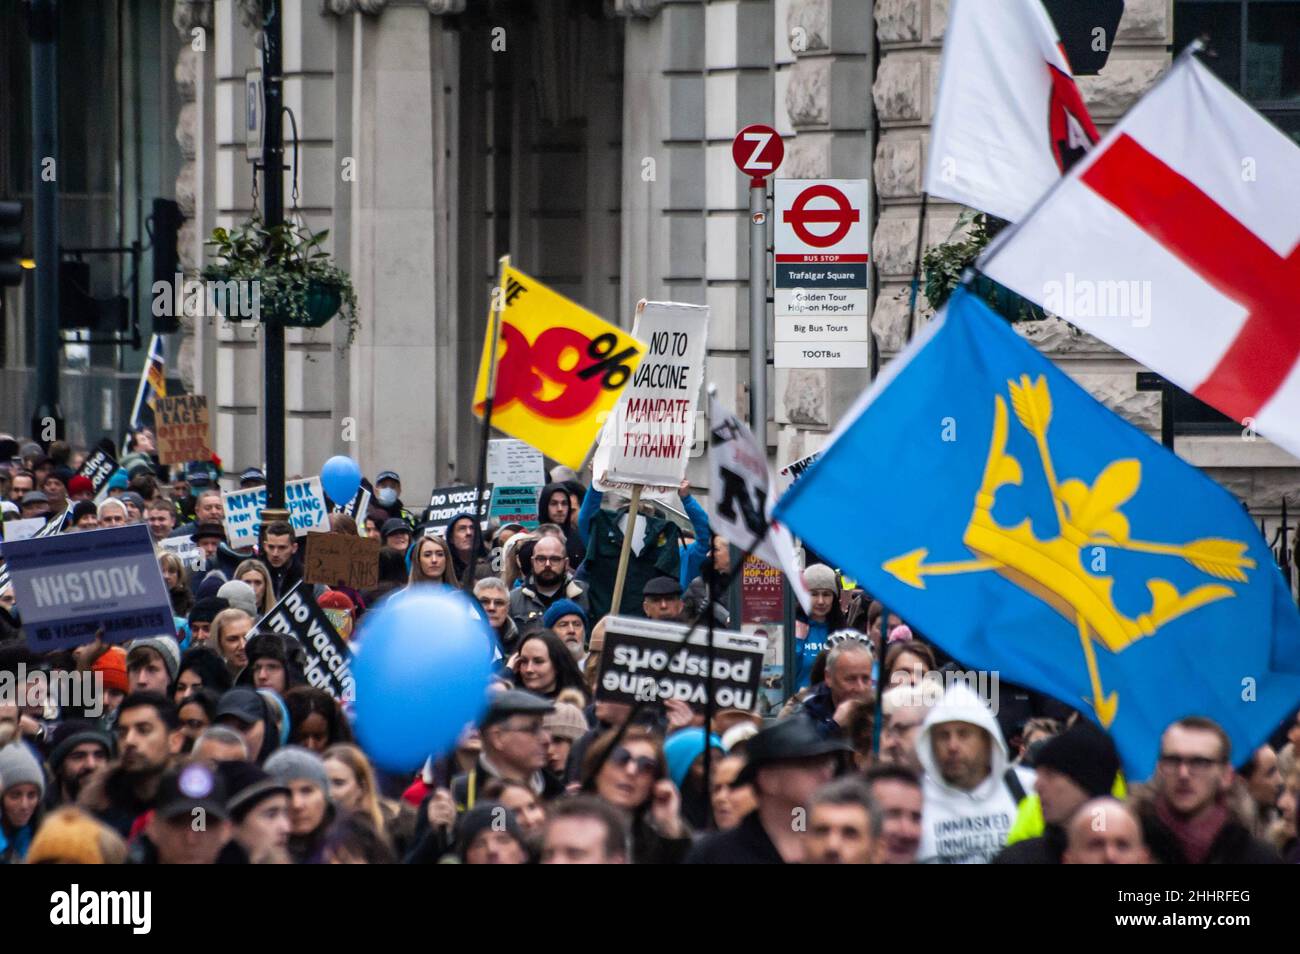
{"x": 590, "y": 139}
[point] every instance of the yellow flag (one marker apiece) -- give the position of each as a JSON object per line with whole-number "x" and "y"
{"x": 560, "y": 369}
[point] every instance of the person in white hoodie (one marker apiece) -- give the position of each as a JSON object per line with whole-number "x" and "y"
{"x": 970, "y": 793}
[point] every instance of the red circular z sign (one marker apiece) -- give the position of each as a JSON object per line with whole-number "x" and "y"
{"x": 843, "y": 216}
{"x": 757, "y": 151}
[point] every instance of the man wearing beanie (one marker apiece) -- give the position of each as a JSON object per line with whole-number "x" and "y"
{"x": 568, "y": 620}
{"x": 482, "y": 838}
{"x": 202, "y": 614}
{"x": 259, "y": 808}
{"x": 79, "y": 748}
{"x": 1078, "y": 765}
{"x": 151, "y": 664}
{"x": 310, "y": 809}
{"x": 22, "y": 786}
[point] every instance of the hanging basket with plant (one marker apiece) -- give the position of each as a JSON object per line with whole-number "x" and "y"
{"x": 946, "y": 264}
{"x": 298, "y": 284}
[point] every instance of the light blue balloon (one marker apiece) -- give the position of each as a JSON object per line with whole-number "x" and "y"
{"x": 422, "y": 668}
{"x": 340, "y": 477}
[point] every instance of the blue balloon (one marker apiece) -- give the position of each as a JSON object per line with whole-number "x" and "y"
{"x": 340, "y": 477}
{"x": 421, "y": 668}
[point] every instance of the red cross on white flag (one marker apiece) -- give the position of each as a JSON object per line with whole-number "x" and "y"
{"x": 1177, "y": 241}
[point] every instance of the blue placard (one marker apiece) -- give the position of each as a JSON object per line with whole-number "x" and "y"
{"x": 70, "y": 586}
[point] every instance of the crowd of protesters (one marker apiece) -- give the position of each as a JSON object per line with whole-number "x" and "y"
{"x": 219, "y": 722}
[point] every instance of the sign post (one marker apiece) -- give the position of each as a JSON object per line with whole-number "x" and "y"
{"x": 820, "y": 268}
{"x": 757, "y": 151}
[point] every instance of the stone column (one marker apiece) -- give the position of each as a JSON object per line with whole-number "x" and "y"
{"x": 396, "y": 228}
{"x": 830, "y": 43}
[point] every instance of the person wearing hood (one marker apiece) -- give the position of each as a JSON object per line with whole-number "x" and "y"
{"x": 1070, "y": 769}
{"x": 311, "y": 812}
{"x": 971, "y": 796}
{"x": 388, "y": 497}
{"x": 684, "y": 750}
{"x": 22, "y": 786}
{"x": 549, "y": 582}
{"x": 811, "y": 629}
{"x": 554, "y": 505}
{"x": 468, "y": 554}
{"x": 247, "y": 713}
{"x": 274, "y": 662}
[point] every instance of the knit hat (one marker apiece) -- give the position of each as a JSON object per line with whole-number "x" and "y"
{"x": 81, "y": 509}
{"x": 682, "y": 748}
{"x": 819, "y": 577}
{"x": 80, "y": 484}
{"x": 248, "y": 786}
{"x": 68, "y": 836}
{"x": 561, "y": 608}
{"x": 68, "y": 735}
{"x": 112, "y": 663}
{"x": 484, "y": 817}
{"x": 566, "y": 722}
{"x": 1084, "y": 753}
{"x": 205, "y": 610}
{"x": 336, "y": 599}
{"x": 165, "y": 647}
{"x": 119, "y": 480}
{"x": 210, "y": 585}
{"x": 294, "y": 762}
{"x": 240, "y": 596}
{"x": 18, "y": 765}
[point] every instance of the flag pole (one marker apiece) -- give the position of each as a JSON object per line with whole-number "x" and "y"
{"x": 878, "y": 671}
{"x": 616, "y": 605}
{"x": 916, "y": 264}
{"x": 494, "y": 342}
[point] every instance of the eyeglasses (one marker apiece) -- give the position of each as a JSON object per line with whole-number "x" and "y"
{"x": 494, "y": 602}
{"x": 645, "y": 765}
{"x": 534, "y": 729}
{"x": 1196, "y": 764}
{"x": 553, "y": 560}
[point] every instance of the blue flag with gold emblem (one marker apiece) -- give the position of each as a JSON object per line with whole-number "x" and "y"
{"x": 1024, "y": 528}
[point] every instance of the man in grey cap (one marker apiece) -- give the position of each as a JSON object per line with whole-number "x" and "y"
{"x": 786, "y": 764}
{"x": 514, "y": 747}
{"x": 388, "y": 496}
{"x": 34, "y": 504}
{"x": 662, "y": 599}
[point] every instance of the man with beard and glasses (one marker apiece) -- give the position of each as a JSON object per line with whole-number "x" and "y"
{"x": 79, "y": 748}
{"x": 549, "y": 581}
{"x": 149, "y": 737}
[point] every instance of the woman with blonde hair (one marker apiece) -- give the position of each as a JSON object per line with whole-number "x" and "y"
{"x": 431, "y": 562}
{"x": 177, "y": 577}
{"x": 354, "y": 791}
{"x": 255, "y": 574}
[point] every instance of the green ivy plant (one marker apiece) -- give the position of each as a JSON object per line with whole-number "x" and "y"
{"x": 286, "y": 260}
{"x": 946, "y": 264}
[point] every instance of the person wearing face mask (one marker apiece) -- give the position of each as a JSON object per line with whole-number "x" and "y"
{"x": 388, "y": 496}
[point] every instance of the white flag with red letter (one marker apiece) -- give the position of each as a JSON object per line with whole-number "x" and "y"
{"x": 740, "y": 498}
{"x": 1008, "y": 119}
{"x": 1175, "y": 241}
